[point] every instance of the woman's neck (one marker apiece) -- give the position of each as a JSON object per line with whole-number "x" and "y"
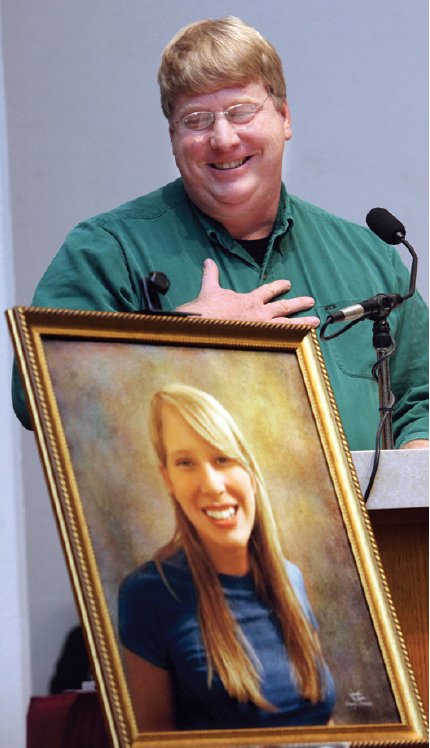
{"x": 231, "y": 561}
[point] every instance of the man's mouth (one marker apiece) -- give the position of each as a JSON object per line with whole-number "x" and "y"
{"x": 230, "y": 164}
{"x": 221, "y": 514}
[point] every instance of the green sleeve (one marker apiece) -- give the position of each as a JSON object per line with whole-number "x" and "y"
{"x": 89, "y": 272}
{"x": 409, "y": 365}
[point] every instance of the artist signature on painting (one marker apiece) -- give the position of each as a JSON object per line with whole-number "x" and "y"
{"x": 357, "y": 700}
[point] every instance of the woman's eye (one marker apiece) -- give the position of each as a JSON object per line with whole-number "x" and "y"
{"x": 183, "y": 463}
{"x": 223, "y": 460}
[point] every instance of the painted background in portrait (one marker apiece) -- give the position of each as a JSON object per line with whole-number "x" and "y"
{"x": 103, "y": 392}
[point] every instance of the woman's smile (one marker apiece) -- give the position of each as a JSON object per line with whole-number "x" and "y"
{"x": 222, "y": 515}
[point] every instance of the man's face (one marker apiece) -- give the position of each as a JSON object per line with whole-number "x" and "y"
{"x": 230, "y": 170}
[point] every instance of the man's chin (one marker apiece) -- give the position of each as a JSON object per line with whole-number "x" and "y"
{"x": 235, "y": 196}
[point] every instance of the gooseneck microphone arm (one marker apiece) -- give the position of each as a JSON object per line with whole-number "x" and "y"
{"x": 414, "y": 268}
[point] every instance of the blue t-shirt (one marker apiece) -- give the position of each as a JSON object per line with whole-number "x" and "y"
{"x": 163, "y": 629}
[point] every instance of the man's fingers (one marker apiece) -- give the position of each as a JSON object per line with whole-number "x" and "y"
{"x": 210, "y": 277}
{"x": 286, "y": 307}
{"x": 214, "y": 301}
{"x": 283, "y": 309}
{"x": 271, "y": 290}
{"x": 311, "y": 321}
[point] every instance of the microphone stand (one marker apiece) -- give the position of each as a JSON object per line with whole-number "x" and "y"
{"x": 384, "y": 346}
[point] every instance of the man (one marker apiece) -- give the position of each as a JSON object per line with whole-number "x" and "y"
{"x": 234, "y": 243}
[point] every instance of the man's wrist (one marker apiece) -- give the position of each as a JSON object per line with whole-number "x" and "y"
{"x": 416, "y": 444}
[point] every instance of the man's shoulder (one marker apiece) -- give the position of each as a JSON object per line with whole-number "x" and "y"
{"x": 339, "y": 234}
{"x": 153, "y": 205}
{"x": 300, "y": 207}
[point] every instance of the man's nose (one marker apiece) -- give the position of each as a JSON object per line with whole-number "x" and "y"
{"x": 212, "y": 480}
{"x": 223, "y": 134}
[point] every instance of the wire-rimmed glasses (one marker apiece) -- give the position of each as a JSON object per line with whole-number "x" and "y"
{"x": 237, "y": 114}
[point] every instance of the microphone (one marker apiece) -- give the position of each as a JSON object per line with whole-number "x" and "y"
{"x": 378, "y": 303}
{"x": 388, "y": 228}
{"x": 151, "y": 286}
{"x": 385, "y": 225}
{"x": 392, "y": 231}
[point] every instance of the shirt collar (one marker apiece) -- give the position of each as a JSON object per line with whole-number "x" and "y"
{"x": 216, "y": 231}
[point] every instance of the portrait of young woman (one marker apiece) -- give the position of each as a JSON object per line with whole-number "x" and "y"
{"x": 217, "y": 631}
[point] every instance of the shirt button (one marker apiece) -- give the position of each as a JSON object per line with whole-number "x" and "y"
{"x": 265, "y": 276}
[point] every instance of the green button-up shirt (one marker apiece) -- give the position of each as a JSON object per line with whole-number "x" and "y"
{"x": 336, "y": 262}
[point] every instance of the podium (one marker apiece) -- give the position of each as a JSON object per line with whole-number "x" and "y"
{"x": 398, "y": 510}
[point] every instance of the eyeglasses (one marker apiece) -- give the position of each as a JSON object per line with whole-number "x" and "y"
{"x": 238, "y": 114}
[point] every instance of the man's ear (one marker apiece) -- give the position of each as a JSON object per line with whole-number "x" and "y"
{"x": 285, "y": 111}
{"x": 172, "y": 142}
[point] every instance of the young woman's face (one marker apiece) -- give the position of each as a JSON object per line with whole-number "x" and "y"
{"x": 214, "y": 491}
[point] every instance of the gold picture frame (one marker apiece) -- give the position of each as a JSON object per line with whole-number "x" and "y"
{"x": 88, "y": 377}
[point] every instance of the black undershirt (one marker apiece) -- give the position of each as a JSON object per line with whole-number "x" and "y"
{"x": 256, "y": 247}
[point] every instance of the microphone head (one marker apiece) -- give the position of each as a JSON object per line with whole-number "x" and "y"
{"x": 385, "y": 225}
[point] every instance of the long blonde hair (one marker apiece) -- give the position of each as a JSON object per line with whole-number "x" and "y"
{"x": 223, "y": 640}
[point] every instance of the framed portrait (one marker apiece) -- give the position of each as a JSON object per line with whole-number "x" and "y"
{"x": 127, "y": 466}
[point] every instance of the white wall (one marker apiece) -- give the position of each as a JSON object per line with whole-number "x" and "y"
{"x": 86, "y": 133}
{"x": 14, "y": 621}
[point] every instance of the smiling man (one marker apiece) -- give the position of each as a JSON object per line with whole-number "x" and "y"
{"x": 231, "y": 162}
{"x": 235, "y": 244}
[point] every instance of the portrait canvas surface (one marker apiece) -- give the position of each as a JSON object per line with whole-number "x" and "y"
{"x": 89, "y": 380}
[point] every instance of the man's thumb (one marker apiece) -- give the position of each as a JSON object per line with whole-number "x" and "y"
{"x": 210, "y": 277}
